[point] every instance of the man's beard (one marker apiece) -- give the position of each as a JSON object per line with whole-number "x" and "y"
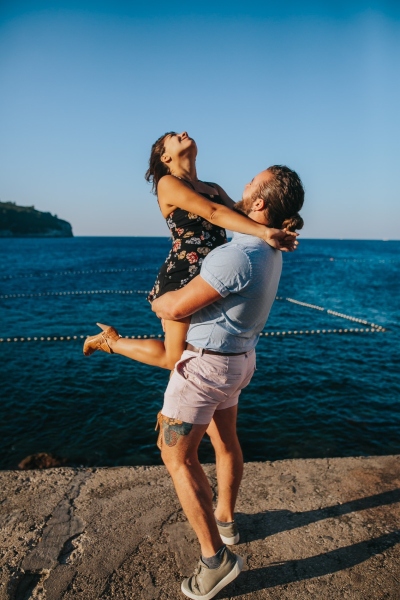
{"x": 243, "y": 206}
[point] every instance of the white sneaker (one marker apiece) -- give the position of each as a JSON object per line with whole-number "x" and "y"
{"x": 205, "y": 583}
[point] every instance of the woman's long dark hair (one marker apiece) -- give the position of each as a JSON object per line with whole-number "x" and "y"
{"x": 157, "y": 168}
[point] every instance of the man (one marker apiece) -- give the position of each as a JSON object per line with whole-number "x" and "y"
{"x": 229, "y": 302}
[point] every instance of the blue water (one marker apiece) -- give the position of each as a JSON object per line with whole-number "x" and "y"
{"x": 312, "y": 395}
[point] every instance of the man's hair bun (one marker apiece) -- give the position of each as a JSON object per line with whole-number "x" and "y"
{"x": 294, "y": 223}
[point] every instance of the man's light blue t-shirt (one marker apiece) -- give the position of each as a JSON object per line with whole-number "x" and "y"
{"x": 246, "y": 272}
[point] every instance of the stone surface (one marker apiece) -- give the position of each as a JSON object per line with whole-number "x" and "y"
{"x": 316, "y": 529}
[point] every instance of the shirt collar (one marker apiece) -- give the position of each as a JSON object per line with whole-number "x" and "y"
{"x": 236, "y": 237}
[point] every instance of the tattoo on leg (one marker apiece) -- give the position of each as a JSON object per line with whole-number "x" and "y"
{"x": 172, "y": 430}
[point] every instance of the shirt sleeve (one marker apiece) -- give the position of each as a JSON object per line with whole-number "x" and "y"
{"x": 227, "y": 269}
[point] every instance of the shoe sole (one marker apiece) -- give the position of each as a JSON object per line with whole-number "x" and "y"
{"x": 227, "y": 579}
{"x": 230, "y": 541}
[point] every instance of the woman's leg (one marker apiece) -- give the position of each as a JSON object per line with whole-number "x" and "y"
{"x": 157, "y": 353}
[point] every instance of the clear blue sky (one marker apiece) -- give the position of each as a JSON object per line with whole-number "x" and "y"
{"x": 86, "y": 87}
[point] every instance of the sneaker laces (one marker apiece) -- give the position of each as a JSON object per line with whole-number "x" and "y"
{"x": 199, "y": 568}
{"x": 193, "y": 580}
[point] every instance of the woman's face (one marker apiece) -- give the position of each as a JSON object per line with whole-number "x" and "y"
{"x": 177, "y": 144}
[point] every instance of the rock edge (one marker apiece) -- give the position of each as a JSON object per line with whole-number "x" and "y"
{"x": 316, "y": 529}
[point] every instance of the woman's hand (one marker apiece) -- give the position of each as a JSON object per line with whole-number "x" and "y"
{"x": 281, "y": 239}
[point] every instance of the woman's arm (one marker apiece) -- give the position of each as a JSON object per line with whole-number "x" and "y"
{"x": 172, "y": 193}
{"x": 224, "y": 196}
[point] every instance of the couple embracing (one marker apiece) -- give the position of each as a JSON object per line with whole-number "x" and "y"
{"x": 214, "y": 298}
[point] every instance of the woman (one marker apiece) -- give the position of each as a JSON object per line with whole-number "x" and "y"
{"x": 197, "y": 214}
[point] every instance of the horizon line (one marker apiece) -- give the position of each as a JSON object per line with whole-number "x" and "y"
{"x": 345, "y": 239}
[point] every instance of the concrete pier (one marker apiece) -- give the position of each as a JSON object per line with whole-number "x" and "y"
{"x": 321, "y": 529}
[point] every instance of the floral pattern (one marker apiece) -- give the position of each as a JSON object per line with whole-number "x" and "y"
{"x": 192, "y": 239}
{"x": 192, "y": 257}
{"x": 176, "y": 245}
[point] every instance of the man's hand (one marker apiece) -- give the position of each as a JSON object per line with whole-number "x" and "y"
{"x": 281, "y": 239}
{"x": 174, "y": 306}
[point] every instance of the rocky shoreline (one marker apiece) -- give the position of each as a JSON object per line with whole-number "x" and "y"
{"x": 318, "y": 529}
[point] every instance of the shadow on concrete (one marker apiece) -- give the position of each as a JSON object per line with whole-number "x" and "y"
{"x": 261, "y": 525}
{"x": 308, "y": 568}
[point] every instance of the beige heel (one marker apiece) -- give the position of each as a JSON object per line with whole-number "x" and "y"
{"x": 100, "y": 341}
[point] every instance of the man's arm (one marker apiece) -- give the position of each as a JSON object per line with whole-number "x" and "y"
{"x": 184, "y": 302}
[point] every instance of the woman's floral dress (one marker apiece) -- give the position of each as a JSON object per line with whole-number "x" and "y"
{"x": 192, "y": 239}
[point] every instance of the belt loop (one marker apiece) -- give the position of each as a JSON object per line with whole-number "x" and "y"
{"x": 201, "y": 350}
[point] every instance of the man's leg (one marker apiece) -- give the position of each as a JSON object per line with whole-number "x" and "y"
{"x": 229, "y": 461}
{"x": 179, "y": 453}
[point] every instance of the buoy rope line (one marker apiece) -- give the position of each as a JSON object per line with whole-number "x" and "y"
{"x": 127, "y": 292}
{"x": 73, "y": 293}
{"x": 333, "y": 312}
{"x": 89, "y": 272}
{"x": 373, "y": 328}
{"x": 68, "y": 338}
{"x": 349, "y": 260}
{"x": 134, "y": 269}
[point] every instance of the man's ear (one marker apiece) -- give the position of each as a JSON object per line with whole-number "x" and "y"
{"x": 258, "y": 204}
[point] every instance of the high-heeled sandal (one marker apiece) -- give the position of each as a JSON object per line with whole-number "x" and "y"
{"x": 100, "y": 341}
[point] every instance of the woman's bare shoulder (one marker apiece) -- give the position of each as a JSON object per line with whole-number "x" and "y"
{"x": 171, "y": 192}
{"x": 167, "y": 181}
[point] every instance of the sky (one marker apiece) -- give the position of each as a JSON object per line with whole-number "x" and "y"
{"x": 87, "y": 87}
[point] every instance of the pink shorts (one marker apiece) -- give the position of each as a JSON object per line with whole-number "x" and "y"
{"x": 204, "y": 383}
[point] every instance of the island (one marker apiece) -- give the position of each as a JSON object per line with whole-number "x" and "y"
{"x": 26, "y": 221}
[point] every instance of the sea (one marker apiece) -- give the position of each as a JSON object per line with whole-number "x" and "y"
{"x": 328, "y": 372}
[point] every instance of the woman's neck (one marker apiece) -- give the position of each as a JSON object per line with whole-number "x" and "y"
{"x": 186, "y": 169}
